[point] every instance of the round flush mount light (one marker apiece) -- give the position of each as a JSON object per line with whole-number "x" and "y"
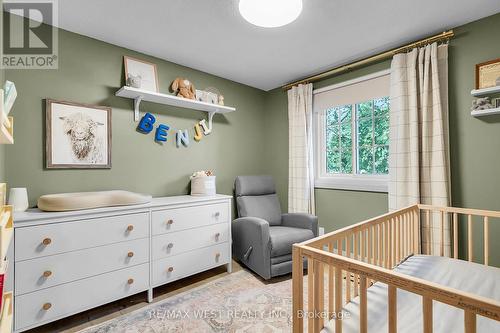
{"x": 270, "y": 13}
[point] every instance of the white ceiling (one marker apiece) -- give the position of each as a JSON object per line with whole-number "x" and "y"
{"x": 211, "y": 36}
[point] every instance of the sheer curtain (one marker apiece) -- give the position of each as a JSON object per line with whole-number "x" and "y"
{"x": 419, "y": 147}
{"x": 300, "y": 150}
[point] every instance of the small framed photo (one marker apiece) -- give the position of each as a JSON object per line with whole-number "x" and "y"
{"x": 488, "y": 74}
{"x": 78, "y": 135}
{"x": 142, "y": 73}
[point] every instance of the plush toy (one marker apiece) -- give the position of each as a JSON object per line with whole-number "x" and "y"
{"x": 481, "y": 104}
{"x": 184, "y": 88}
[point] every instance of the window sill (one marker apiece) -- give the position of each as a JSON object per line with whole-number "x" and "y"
{"x": 354, "y": 183}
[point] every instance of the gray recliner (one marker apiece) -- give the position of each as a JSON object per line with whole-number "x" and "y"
{"x": 262, "y": 235}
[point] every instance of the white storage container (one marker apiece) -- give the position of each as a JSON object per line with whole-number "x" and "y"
{"x": 203, "y": 186}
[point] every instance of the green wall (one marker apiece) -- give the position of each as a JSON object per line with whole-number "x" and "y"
{"x": 91, "y": 71}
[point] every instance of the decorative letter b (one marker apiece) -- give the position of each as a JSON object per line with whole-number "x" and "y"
{"x": 146, "y": 123}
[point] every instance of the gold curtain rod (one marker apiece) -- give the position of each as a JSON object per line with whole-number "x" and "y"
{"x": 446, "y": 35}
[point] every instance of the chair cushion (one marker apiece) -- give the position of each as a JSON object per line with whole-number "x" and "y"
{"x": 266, "y": 207}
{"x": 254, "y": 185}
{"x": 282, "y": 239}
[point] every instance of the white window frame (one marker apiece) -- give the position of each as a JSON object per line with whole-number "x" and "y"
{"x": 357, "y": 182}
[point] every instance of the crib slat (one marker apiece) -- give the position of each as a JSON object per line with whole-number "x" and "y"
{"x": 298, "y": 290}
{"x": 469, "y": 232}
{"x": 486, "y": 240}
{"x": 455, "y": 235}
{"x": 338, "y": 300}
{"x": 379, "y": 245}
{"x": 348, "y": 274}
{"x": 428, "y": 231}
{"x": 398, "y": 239}
{"x": 416, "y": 230}
{"x": 363, "y": 306}
{"x": 427, "y": 310}
{"x": 310, "y": 293}
{"x": 330, "y": 284}
{"x": 392, "y": 306}
{"x": 386, "y": 243}
{"x": 356, "y": 242}
{"x": 319, "y": 301}
{"x": 469, "y": 322}
{"x": 441, "y": 243}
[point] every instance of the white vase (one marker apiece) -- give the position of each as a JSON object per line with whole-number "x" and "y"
{"x": 18, "y": 199}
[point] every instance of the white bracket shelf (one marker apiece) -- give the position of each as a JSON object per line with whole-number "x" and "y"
{"x": 485, "y": 91}
{"x": 139, "y": 95}
{"x": 487, "y": 112}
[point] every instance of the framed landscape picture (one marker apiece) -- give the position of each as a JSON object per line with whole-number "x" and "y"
{"x": 77, "y": 135}
{"x": 146, "y": 72}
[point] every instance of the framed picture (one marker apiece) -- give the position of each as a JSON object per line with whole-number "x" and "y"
{"x": 496, "y": 102}
{"x": 77, "y": 135}
{"x": 488, "y": 74}
{"x": 145, "y": 71}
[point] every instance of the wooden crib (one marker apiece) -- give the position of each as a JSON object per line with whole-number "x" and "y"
{"x": 366, "y": 252}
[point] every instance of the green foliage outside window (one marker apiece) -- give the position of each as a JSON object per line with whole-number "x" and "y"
{"x": 371, "y": 146}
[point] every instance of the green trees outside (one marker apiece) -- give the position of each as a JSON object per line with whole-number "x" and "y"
{"x": 371, "y": 144}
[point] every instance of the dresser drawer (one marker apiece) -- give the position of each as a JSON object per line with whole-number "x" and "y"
{"x": 175, "y": 243}
{"x": 176, "y": 267}
{"x": 44, "y": 272}
{"x": 60, "y": 301}
{"x": 171, "y": 220}
{"x": 38, "y": 241}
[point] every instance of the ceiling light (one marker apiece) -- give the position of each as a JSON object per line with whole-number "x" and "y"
{"x": 270, "y": 13}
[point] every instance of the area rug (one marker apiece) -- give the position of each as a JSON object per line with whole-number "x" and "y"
{"x": 238, "y": 302}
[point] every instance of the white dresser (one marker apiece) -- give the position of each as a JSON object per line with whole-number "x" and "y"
{"x": 68, "y": 262}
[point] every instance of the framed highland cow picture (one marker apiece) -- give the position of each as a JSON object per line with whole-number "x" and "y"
{"x": 78, "y": 136}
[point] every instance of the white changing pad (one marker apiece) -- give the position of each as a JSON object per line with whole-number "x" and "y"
{"x": 87, "y": 200}
{"x": 462, "y": 275}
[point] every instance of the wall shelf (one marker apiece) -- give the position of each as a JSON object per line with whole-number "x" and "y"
{"x": 480, "y": 113}
{"x": 485, "y": 91}
{"x": 139, "y": 95}
{"x": 7, "y": 134}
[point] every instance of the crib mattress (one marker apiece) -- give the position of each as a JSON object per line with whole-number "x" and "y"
{"x": 462, "y": 275}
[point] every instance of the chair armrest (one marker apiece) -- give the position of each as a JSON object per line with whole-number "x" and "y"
{"x": 300, "y": 220}
{"x": 251, "y": 244}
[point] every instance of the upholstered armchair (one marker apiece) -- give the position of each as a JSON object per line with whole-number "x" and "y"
{"x": 262, "y": 235}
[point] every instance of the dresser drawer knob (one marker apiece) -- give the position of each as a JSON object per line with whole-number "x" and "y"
{"x": 130, "y": 254}
{"x": 47, "y": 274}
{"x": 46, "y": 306}
{"x": 217, "y": 235}
{"x": 170, "y": 245}
{"x": 170, "y": 269}
{"x": 170, "y": 222}
{"x": 46, "y": 241}
{"x": 217, "y": 256}
{"x": 130, "y": 227}
{"x": 217, "y": 215}
{"x": 130, "y": 281}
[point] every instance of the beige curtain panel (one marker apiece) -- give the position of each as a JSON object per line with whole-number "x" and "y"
{"x": 300, "y": 151}
{"x": 419, "y": 149}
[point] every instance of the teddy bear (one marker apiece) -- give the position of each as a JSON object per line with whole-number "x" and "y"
{"x": 183, "y": 88}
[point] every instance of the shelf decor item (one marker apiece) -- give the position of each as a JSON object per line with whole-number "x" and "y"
{"x": 145, "y": 70}
{"x": 488, "y": 74}
{"x": 77, "y": 135}
{"x": 481, "y": 104}
{"x": 18, "y": 199}
{"x": 184, "y": 88}
{"x": 203, "y": 183}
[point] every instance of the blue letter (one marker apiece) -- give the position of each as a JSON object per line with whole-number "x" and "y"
{"x": 146, "y": 124}
{"x": 161, "y": 133}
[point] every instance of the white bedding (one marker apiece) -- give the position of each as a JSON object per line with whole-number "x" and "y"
{"x": 462, "y": 275}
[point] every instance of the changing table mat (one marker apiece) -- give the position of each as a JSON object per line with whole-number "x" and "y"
{"x": 459, "y": 274}
{"x": 87, "y": 200}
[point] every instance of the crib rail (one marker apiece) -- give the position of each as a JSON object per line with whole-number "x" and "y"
{"x": 354, "y": 257}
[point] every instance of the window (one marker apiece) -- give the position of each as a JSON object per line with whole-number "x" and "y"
{"x": 352, "y": 135}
